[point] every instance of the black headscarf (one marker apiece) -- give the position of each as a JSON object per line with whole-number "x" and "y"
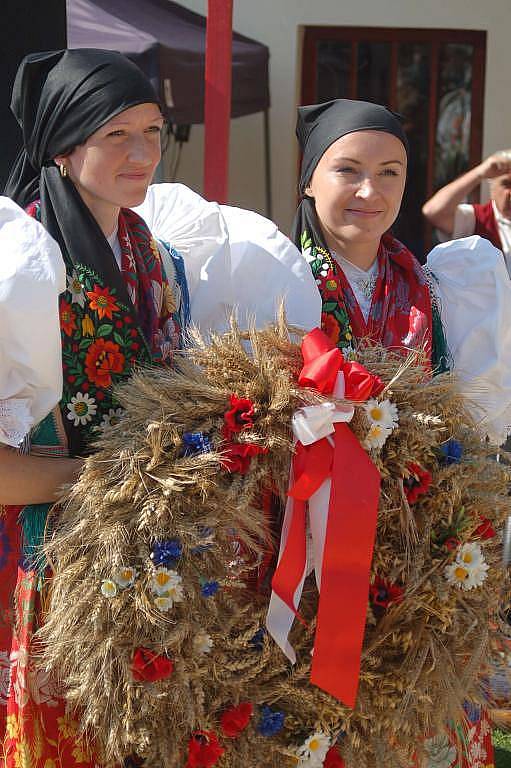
{"x": 317, "y": 127}
{"x": 59, "y": 99}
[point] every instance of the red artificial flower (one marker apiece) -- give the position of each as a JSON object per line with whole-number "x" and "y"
{"x": 451, "y": 543}
{"x": 331, "y": 327}
{"x": 236, "y": 719}
{"x": 333, "y": 759}
{"x": 383, "y": 593}
{"x": 237, "y": 456}
{"x": 67, "y": 318}
{"x": 204, "y": 750}
{"x": 485, "y": 530}
{"x": 238, "y": 417}
{"x": 102, "y": 302}
{"x": 102, "y": 359}
{"x": 147, "y": 666}
{"x": 417, "y": 484}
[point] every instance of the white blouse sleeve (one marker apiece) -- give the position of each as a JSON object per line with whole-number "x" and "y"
{"x": 32, "y": 274}
{"x": 475, "y": 304}
{"x": 196, "y": 229}
{"x": 234, "y": 260}
{"x": 268, "y": 269}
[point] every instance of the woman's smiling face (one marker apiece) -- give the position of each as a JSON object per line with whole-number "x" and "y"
{"x": 358, "y": 186}
{"x": 115, "y": 165}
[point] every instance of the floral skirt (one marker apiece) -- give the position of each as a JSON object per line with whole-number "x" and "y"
{"x": 37, "y": 731}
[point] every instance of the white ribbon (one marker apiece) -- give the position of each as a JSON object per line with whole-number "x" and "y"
{"x": 309, "y": 424}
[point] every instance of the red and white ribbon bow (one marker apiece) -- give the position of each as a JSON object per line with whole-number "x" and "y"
{"x": 334, "y": 491}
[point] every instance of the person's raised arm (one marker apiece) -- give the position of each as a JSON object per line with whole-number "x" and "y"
{"x": 34, "y": 479}
{"x": 440, "y": 210}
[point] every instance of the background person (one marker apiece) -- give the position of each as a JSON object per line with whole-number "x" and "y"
{"x": 454, "y": 218}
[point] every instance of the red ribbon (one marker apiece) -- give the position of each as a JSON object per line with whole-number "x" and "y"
{"x": 351, "y": 525}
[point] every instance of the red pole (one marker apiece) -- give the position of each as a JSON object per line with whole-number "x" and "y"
{"x": 217, "y": 103}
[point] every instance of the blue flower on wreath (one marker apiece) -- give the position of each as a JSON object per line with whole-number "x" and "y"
{"x": 166, "y": 552}
{"x": 257, "y": 640}
{"x": 451, "y": 451}
{"x": 270, "y": 722}
{"x": 195, "y": 443}
{"x": 209, "y": 588}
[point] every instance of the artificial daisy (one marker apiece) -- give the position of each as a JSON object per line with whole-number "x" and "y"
{"x": 470, "y": 555}
{"x": 313, "y": 751}
{"x": 125, "y": 576}
{"x": 376, "y": 437}
{"x": 383, "y": 413}
{"x": 458, "y": 575}
{"x": 163, "y": 604}
{"x": 108, "y": 588}
{"x": 163, "y": 580}
{"x": 81, "y": 409}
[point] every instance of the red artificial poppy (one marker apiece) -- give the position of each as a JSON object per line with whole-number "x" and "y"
{"x": 451, "y": 543}
{"x": 417, "y": 484}
{"x": 67, "y": 318}
{"x": 238, "y": 417}
{"x": 102, "y": 359}
{"x": 102, "y": 302}
{"x": 237, "y": 456}
{"x": 204, "y": 750}
{"x": 383, "y": 593}
{"x": 485, "y": 530}
{"x": 236, "y": 719}
{"x": 147, "y": 666}
{"x": 331, "y": 327}
{"x": 333, "y": 759}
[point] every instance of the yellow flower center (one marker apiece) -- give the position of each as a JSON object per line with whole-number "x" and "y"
{"x": 461, "y": 573}
{"x": 76, "y": 286}
{"x": 66, "y": 316}
{"x": 162, "y": 579}
{"x": 376, "y": 413}
{"x": 81, "y": 408}
{"x": 126, "y": 574}
{"x": 313, "y": 745}
{"x": 331, "y": 285}
{"x": 467, "y": 557}
{"x": 101, "y": 301}
{"x": 376, "y": 430}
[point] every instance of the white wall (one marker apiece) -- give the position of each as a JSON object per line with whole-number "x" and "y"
{"x": 276, "y": 23}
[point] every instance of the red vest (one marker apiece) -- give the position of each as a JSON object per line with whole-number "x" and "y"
{"x": 486, "y": 224}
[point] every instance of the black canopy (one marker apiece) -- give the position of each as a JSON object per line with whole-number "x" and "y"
{"x": 168, "y": 42}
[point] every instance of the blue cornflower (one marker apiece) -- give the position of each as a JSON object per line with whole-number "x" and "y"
{"x": 196, "y": 442}
{"x": 271, "y": 721}
{"x": 166, "y": 552}
{"x": 257, "y": 640}
{"x": 209, "y": 588}
{"x": 452, "y": 451}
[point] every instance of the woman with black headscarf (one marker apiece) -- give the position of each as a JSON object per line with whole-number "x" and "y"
{"x": 372, "y": 288}
{"x": 91, "y": 127}
{"x": 352, "y": 182}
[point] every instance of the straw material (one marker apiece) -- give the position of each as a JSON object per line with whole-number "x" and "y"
{"x": 422, "y": 655}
